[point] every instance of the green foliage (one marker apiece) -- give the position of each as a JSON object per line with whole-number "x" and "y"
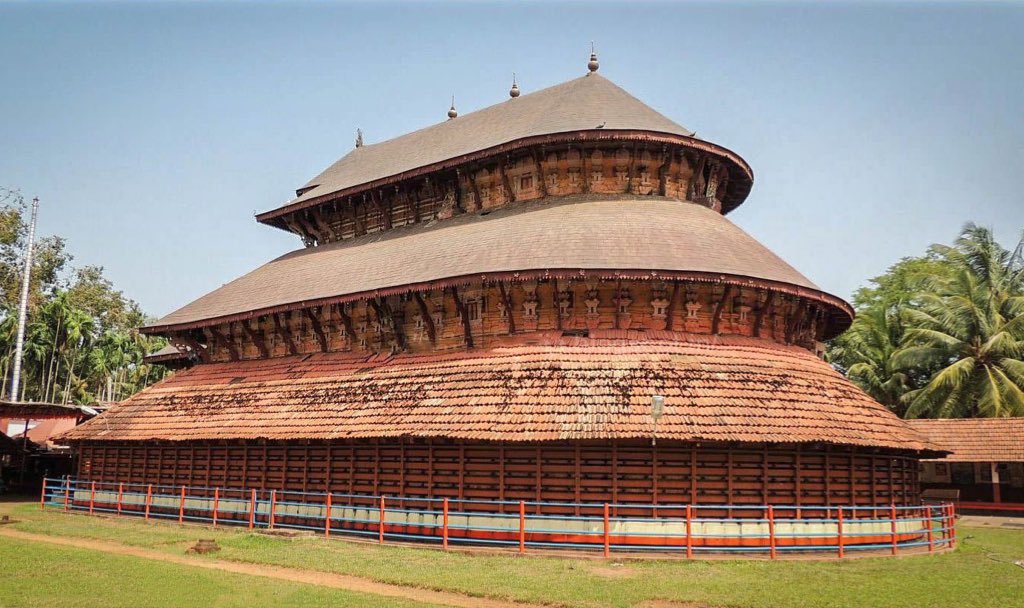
{"x": 82, "y": 344}
{"x": 942, "y": 335}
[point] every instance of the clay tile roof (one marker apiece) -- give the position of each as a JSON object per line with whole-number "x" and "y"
{"x": 595, "y": 233}
{"x": 729, "y": 389}
{"x": 976, "y": 439}
{"x": 586, "y": 103}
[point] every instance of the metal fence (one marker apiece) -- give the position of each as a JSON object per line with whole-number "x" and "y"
{"x": 771, "y": 530}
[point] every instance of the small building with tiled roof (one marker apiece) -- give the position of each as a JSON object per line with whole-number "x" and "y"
{"x": 539, "y": 301}
{"x": 985, "y": 459}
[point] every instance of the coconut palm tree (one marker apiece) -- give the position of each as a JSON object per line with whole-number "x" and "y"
{"x": 970, "y": 328}
{"x": 870, "y": 343}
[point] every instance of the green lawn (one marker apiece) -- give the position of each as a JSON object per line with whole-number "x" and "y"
{"x": 36, "y": 574}
{"x": 979, "y": 573}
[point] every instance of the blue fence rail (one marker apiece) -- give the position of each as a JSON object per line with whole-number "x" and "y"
{"x": 771, "y": 530}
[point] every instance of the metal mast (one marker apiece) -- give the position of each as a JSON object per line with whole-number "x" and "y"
{"x": 26, "y": 277}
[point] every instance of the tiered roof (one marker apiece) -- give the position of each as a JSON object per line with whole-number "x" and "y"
{"x": 553, "y": 388}
{"x": 586, "y": 233}
{"x": 590, "y": 104}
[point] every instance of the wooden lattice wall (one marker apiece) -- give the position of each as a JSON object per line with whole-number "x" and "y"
{"x": 564, "y": 472}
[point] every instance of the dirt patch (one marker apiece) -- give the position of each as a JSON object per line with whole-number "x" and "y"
{"x": 614, "y": 571}
{"x": 670, "y": 604}
{"x": 297, "y": 575}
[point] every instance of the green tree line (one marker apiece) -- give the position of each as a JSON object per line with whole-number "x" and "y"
{"x": 82, "y": 343}
{"x": 942, "y": 335}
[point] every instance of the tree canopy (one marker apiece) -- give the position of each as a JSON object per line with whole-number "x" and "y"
{"x": 82, "y": 343}
{"x": 942, "y": 335}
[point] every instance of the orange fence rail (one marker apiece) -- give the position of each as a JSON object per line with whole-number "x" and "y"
{"x": 607, "y": 527}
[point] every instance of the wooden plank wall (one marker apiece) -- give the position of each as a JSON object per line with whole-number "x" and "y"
{"x": 564, "y": 472}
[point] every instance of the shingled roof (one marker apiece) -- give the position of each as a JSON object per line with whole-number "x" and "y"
{"x": 976, "y": 439}
{"x": 589, "y": 103}
{"x": 716, "y": 388}
{"x": 615, "y": 233}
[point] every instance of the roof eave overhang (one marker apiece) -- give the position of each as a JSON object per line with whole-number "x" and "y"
{"x": 741, "y": 176}
{"x": 841, "y": 317}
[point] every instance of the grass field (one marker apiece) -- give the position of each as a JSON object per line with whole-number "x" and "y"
{"x": 35, "y": 574}
{"x": 979, "y": 574}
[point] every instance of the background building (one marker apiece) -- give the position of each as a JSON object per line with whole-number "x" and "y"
{"x": 985, "y": 461}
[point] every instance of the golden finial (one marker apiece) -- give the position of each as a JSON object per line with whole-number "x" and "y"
{"x": 514, "y": 91}
{"x": 452, "y": 112}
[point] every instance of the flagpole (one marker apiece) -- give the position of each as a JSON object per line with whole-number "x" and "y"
{"x": 26, "y": 278}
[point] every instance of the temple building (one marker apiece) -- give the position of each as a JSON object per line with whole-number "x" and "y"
{"x": 542, "y": 300}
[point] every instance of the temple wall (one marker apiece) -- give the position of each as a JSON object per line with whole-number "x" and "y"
{"x": 536, "y": 306}
{"x": 618, "y": 472}
{"x": 530, "y": 175}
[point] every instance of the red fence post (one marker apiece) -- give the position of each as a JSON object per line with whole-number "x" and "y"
{"x": 67, "y": 493}
{"x": 149, "y": 499}
{"x": 931, "y": 538}
{"x": 327, "y": 517}
{"x": 689, "y": 531}
{"x": 952, "y": 526}
{"x": 892, "y": 526}
{"x": 380, "y": 526}
{"x": 92, "y": 496}
{"x": 444, "y": 525}
{"x": 522, "y": 527}
{"x": 216, "y": 505}
{"x": 842, "y": 547}
{"x": 771, "y": 531}
{"x": 120, "y": 496}
{"x": 42, "y": 496}
{"x": 181, "y": 507}
{"x": 273, "y": 507}
{"x": 252, "y": 510}
{"x": 607, "y": 539}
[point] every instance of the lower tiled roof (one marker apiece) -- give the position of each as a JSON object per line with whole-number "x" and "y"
{"x": 555, "y": 388}
{"x": 976, "y": 439}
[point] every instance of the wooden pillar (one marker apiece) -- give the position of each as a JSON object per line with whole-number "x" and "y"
{"x": 996, "y": 494}
{"x": 654, "y": 473}
{"x": 852, "y": 480}
{"x": 462, "y": 470}
{"x": 615, "y": 472}
{"x": 430, "y": 468}
{"x": 577, "y": 477}
{"x": 693, "y": 475}
{"x": 329, "y": 469}
{"x": 764, "y": 475}
{"x": 376, "y": 468}
{"x": 351, "y": 471}
{"x": 728, "y": 480}
{"x": 537, "y": 477}
{"x": 828, "y": 479}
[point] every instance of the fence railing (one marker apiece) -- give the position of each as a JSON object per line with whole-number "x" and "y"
{"x": 607, "y": 527}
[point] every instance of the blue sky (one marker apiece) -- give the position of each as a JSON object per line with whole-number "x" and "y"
{"x": 152, "y": 132}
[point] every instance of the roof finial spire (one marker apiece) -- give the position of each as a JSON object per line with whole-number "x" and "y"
{"x": 359, "y": 138}
{"x": 452, "y": 112}
{"x": 592, "y": 65}
{"x": 514, "y": 91}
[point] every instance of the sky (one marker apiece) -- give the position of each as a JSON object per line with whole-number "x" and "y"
{"x": 153, "y": 132}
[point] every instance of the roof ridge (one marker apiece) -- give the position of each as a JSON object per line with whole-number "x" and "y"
{"x": 476, "y": 112}
{"x": 581, "y": 104}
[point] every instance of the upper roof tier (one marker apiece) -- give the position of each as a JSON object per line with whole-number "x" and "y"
{"x": 589, "y": 105}
{"x": 609, "y": 236}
